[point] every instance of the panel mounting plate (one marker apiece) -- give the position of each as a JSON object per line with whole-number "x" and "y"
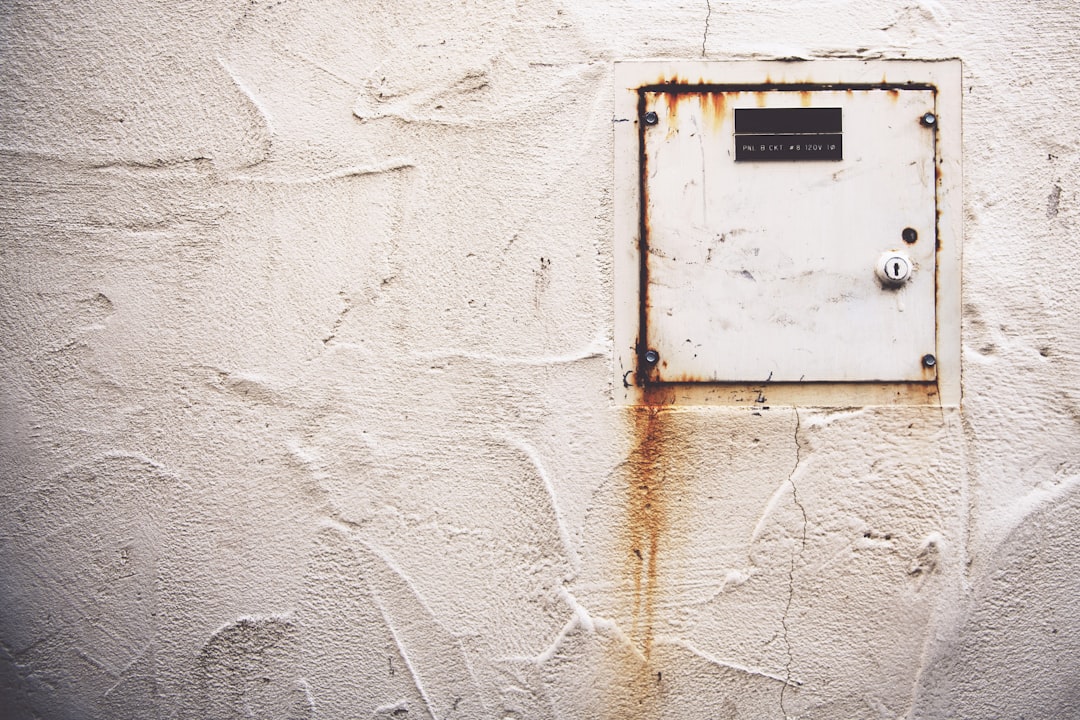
{"x": 788, "y": 233}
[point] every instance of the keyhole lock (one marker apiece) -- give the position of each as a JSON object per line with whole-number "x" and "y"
{"x": 894, "y": 268}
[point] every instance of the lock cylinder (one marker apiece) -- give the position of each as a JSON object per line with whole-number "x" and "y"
{"x": 894, "y": 268}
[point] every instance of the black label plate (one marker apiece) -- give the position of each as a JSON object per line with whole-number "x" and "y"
{"x": 789, "y": 147}
{"x": 771, "y": 121}
{"x": 789, "y": 134}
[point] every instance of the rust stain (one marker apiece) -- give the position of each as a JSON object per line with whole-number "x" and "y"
{"x": 675, "y": 79}
{"x": 713, "y": 107}
{"x": 645, "y": 521}
{"x": 643, "y": 542}
{"x": 894, "y": 94}
{"x": 806, "y": 97}
{"x": 937, "y": 222}
{"x": 671, "y": 102}
{"x": 644, "y": 232}
{"x": 937, "y": 183}
{"x": 647, "y": 512}
{"x": 670, "y": 381}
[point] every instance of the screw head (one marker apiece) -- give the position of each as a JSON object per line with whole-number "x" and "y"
{"x": 651, "y": 118}
{"x": 928, "y": 119}
{"x": 910, "y": 235}
{"x": 652, "y": 357}
{"x": 929, "y": 360}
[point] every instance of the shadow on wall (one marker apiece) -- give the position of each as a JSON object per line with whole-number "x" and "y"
{"x": 1017, "y": 649}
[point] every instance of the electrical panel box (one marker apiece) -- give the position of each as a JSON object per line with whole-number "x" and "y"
{"x": 788, "y": 232}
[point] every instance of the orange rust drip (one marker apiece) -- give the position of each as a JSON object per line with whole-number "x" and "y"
{"x": 646, "y": 514}
{"x": 640, "y": 683}
{"x": 673, "y": 101}
{"x": 713, "y": 107}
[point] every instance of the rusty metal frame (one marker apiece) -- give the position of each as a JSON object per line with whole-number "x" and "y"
{"x": 633, "y": 79}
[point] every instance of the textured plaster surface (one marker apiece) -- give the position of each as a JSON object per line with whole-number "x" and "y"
{"x": 306, "y": 412}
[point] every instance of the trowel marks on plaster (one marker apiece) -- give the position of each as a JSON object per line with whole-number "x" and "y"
{"x": 248, "y": 669}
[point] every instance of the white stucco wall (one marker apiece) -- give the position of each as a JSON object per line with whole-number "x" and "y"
{"x": 307, "y": 412}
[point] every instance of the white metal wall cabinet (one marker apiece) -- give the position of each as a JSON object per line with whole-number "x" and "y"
{"x": 788, "y": 232}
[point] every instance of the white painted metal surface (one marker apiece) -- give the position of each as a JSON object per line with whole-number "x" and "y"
{"x": 769, "y": 271}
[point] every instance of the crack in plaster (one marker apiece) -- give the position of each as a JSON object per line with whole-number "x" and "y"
{"x": 795, "y": 556}
{"x": 705, "y": 36}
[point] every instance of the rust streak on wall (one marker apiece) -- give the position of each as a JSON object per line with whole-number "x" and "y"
{"x": 714, "y": 107}
{"x": 645, "y": 520}
{"x": 649, "y": 473}
{"x": 644, "y": 545}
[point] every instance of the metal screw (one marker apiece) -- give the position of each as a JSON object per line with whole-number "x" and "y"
{"x": 909, "y": 235}
{"x": 928, "y": 119}
{"x": 652, "y": 357}
{"x": 929, "y": 361}
{"x": 651, "y": 118}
